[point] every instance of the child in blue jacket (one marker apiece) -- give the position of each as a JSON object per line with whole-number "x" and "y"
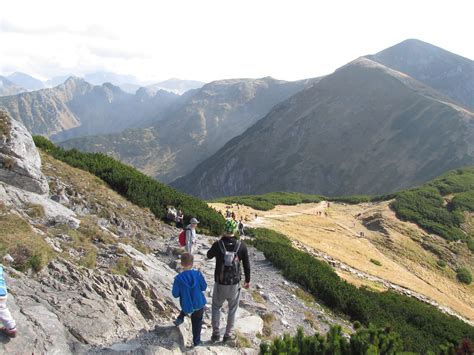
{"x": 189, "y": 286}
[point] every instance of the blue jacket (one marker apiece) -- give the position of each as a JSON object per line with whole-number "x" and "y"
{"x": 3, "y": 284}
{"x": 189, "y": 286}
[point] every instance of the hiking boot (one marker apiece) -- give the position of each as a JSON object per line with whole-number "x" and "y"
{"x": 228, "y": 338}
{"x": 10, "y": 332}
{"x": 215, "y": 338}
{"x": 178, "y": 321}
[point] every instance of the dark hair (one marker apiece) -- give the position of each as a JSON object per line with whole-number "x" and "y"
{"x": 187, "y": 259}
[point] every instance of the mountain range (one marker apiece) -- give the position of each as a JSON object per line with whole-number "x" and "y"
{"x": 378, "y": 124}
{"x": 77, "y": 108}
{"x": 202, "y": 123}
{"x": 7, "y": 87}
{"x": 127, "y": 83}
{"x": 365, "y": 129}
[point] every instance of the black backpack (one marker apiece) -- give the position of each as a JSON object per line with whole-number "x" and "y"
{"x": 230, "y": 271}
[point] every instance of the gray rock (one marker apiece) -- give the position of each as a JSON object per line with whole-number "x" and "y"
{"x": 20, "y": 163}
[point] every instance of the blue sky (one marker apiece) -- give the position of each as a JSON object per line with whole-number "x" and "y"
{"x": 214, "y": 39}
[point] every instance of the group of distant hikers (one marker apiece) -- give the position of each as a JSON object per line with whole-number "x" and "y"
{"x": 189, "y": 285}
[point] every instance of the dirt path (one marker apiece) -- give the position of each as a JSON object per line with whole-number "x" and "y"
{"x": 337, "y": 232}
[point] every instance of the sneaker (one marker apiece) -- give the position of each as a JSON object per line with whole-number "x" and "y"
{"x": 198, "y": 344}
{"x": 178, "y": 321}
{"x": 229, "y": 338}
{"x": 215, "y": 338}
{"x": 10, "y": 332}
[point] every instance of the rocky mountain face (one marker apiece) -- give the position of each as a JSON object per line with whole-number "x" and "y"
{"x": 202, "y": 123}
{"x": 9, "y": 88}
{"x": 92, "y": 273}
{"x": 76, "y": 108}
{"x": 26, "y": 81}
{"x": 366, "y": 129}
{"x": 444, "y": 71}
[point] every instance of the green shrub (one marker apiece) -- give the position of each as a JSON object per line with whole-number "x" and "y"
{"x": 137, "y": 187}
{"x": 375, "y": 262}
{"x": 441, "y": 263}
{"x": 364, "y": 341}
{"x": 464, "y": 276}
{"x": 421, "y": 326}
{"x": 268, "y": 201}
{"x": 470, "y": 244}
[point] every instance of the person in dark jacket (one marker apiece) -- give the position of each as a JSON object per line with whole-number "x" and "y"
{"x": 229, "y": 252}
{"x": 189, "y": 286}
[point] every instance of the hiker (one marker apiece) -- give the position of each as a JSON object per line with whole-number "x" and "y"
{"x": 233, "y": 216}
{"x": 189, "y": 286}
{"x": 171, "y": 214}
{"x": 241, "y": 227}
{"x": 191, "y": 235}
{"x": 9, "y": 325}
{"x": 227, "y": 213}
{"x": 228, "y": 251}
{"x": 179, "y": 219}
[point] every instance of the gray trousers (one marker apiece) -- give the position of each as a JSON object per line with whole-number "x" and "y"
{"x": 222, "y": 293}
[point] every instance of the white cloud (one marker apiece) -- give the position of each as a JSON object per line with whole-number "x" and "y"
{"x": 213, "y": 39}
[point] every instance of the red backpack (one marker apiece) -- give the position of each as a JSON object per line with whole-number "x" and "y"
{"x": 182, "y": 238}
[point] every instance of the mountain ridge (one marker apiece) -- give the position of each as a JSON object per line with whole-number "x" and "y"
{"x": 353, "y": 92}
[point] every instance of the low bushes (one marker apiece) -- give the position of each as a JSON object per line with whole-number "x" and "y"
{"x": 364, "y": 341}
{"x": 421, "y": 326}
{"x": 268, "y": 201}
{"x": 464, "y": 276}
{"x": 137, "y": 187}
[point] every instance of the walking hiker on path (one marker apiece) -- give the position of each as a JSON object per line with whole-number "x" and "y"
{"x": 241, "y": 228}
{"x": 191, "y": 235}
{"x": 180, "y": 219}
{"x": 189, "y": 286}
{"x": 229, "y": 252}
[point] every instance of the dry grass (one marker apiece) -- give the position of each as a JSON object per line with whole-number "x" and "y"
{"x": 29, "y": 250}
{"x": 404, "y": 261}
{"x": 242, "y": 341}
{"x": 8, "y": 163}
{"x": 268, "y": 320}
{"x": 257, "y": 297}
{"x": 5, "y": 125}
{"x": 35, "y": 211}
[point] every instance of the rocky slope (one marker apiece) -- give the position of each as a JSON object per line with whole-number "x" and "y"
{"x": 444, "y": 71}
{"x": 203, "y": 123}
{"x": 8, "y": 88}
{"x": 76, "y": 108}
{"x": 366, "y": 129}
{"x": 96, "y": 272}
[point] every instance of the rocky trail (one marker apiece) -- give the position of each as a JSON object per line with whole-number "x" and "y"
{"x": 271, "y": 307}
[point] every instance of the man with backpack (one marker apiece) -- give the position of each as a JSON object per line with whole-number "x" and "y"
{"x": 229, "y": 252}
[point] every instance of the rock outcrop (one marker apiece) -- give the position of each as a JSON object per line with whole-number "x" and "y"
{"x": 20, "y": 163}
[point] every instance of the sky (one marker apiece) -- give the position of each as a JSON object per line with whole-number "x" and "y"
{"x": 215, "y": 39}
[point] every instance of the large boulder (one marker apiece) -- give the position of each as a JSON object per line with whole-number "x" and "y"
{"x": 20, "y": 163}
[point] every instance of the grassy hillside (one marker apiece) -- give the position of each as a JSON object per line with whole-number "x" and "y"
{"x": 439, "y": 206}
{"x": 422, "y": 327}
{"x": 138, "y": 188}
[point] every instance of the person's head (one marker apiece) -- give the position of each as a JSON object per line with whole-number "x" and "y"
{"x": 193, "y": 222}
{"x": 187, "y": 260}
{"x": 230, "y": 228}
